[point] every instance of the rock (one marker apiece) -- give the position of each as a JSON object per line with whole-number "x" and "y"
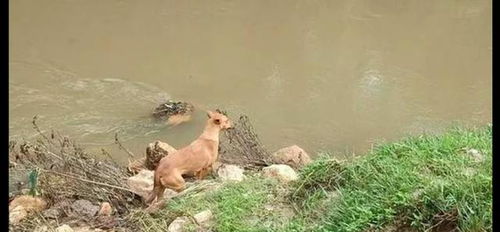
{"x": 280, "y": 171}
{"x": 231, "y": 173}
{"x": 17, "y": 214}
{"x": 28, "y": 203}
{"x": 142, "y": 184}
{"x": 51, "y": 213}
{"x": 475, "y": 155}
{"x": 178, "y": 224}
{"x": 64, "y": 228}
{"x": 105, "y": 210}
{"x": 203, "y": 218}
{"x": 155, "y": 151}
{"x": 294, "y": 156}
{"x": 21, "y": 206}
{"x": 84, "y": 208}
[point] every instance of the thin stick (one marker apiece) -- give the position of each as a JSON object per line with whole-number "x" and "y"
{"x": 122, "y": 147}
{"x": 88, "y": 181}
{"x": 35, "y": 126}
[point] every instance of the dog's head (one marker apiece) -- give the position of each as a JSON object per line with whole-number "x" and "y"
{"x": 218, "y": 119}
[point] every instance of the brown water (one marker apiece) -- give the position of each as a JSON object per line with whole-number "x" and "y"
{"x": 326, "y": 75}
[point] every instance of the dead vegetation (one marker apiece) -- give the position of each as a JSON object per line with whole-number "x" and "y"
{"x": 241, "y": 146}
{"x": 66, "y": 173}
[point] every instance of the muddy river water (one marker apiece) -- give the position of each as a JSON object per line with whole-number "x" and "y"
{"x": 326, "y": 75}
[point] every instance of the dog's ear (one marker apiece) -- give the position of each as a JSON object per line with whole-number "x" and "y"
{"x": 217, "y": 121}
{"x": 210, "y": 114}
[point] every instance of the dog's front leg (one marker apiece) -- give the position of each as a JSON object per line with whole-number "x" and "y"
{"x": 203, "y": 173}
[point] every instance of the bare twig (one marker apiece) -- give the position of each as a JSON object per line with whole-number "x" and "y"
{"x": 88, "y": 181}
{"x": 122, "y": 147}
{"x": 35, "y": 126}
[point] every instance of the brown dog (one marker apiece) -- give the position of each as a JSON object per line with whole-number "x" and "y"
{"x": 195, "y": 159}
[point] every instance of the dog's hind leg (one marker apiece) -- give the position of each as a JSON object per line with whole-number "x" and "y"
{"x": 157, "y": 189}
{"x": 174, "y": 182}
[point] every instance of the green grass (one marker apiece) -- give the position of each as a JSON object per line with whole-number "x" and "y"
{"x": 420, "y": 182}
{"x": 416, "y": 181}
{"x": 236, "y": 207}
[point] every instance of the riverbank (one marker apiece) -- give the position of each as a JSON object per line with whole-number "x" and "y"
{"x": 427, "y": 182}
{"x": 437, "y": 182}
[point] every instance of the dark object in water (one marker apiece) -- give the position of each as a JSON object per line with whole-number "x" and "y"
{"x": 170, "y": 108}
{"x": 174, "y": 112}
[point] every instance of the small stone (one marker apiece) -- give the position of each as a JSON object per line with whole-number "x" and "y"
{"x": 51, "y": 213}
{"x": 417, "y": 194}
{"x": 105, "y": 210}
{"x": 203, "y": 218}
{"x": 280, "y": 171}
{"x": 25, "y": 191}
{"x": 178, "y": 224}
{"x": 294, "y": 156}
{"x": 64, "y": 228}
{"x": 476, "y": 155}
{"x": 231, "y": 173}
{"x": 84, "y": 208}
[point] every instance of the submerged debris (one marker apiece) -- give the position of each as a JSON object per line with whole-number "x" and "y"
{"x": 174, "y": 112}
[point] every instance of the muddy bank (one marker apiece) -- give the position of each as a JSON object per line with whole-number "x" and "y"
{"x": 75, "y": 186}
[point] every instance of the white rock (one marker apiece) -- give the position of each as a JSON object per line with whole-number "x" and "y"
{"x": 178, "y": 224}
{"x": 476, "y": 155}
{"x": 64, "y": 228}
{"x": 203, "y": 218}
{"x": 230, "y": 173}
{"x": 294, "y": 156}
{"x": 280, "y": 171}
{"x": 142, "y": 183}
